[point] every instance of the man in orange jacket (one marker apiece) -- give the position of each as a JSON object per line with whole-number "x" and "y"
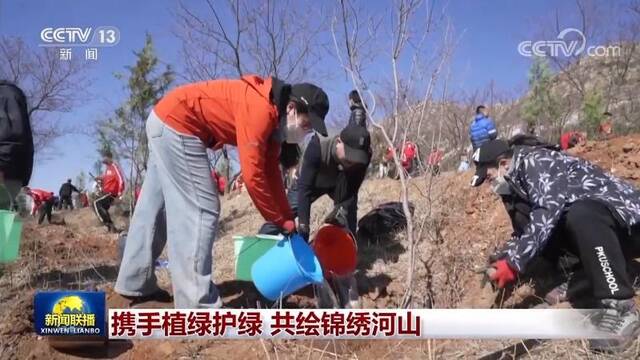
{"x": 257, "y": 115}
{"x": 112, "y": 182}
{"x": 42, "y": 203}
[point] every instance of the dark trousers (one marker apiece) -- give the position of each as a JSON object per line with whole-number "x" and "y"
{"x": 45, "y": 210}
{"x": 101, "y": 206}
{"x": 66, "y": 202}
{"x": 590, "y": 231}
{"x": 352, "y": 212}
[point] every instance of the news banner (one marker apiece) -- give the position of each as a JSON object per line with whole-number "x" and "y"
{"x": 351, "y": 324}
{"x": 85, "y": 313}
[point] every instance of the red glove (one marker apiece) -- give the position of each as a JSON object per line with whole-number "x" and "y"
{"x": 289, "y": 227}
{"x": 503, "y": 273}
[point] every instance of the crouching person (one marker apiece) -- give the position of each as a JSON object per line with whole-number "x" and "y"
{"x": 334, "y": 166}
{"x": 572, "y": 205}
{"x": 42, "y": 203}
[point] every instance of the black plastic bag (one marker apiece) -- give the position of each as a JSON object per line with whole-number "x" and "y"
{"x": 383, "y": 222}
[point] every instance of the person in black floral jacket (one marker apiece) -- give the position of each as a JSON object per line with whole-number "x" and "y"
{"x": 579, "y": 208}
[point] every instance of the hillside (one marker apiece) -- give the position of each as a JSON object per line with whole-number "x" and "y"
{"x": 457, "y": 228}
{"x": 606, "y": 83}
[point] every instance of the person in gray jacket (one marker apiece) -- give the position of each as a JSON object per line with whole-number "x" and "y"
{"x": 335, "y": 166}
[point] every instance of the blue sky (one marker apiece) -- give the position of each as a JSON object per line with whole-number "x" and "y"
{"x": 490, "y": 31}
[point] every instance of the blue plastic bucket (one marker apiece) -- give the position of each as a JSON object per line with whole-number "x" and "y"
{"x": 286, "y": 268}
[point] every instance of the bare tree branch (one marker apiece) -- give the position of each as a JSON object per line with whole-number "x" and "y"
{"x": 50, "y": 84}
{"x": 403, "y": 112}
{"x": 276, "y": 38}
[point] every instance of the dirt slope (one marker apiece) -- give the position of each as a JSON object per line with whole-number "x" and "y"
{"x": 457, "y": 228}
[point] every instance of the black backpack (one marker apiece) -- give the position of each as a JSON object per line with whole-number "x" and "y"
{"x": 16, "y": 139}
{"x": 531, "y": 140}
{"x": 383, "y": 222}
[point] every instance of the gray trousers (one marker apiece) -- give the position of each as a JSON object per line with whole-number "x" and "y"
{"x": 178, "y": 181}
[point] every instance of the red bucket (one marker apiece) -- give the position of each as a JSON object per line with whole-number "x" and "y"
{"x": 336, "y": 250}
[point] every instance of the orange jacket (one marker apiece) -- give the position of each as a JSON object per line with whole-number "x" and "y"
{"x": 408, "y": 153}
{"x": 112, "y": 180}
{"x": 84, "y": 199}
{"x": 235, "y": 112}
{"x": 39, "y": 196}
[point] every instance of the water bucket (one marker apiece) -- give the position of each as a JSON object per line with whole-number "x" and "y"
{"x": 248, "y": 249}
{"x": 336, "y": 250}
{"x": 285, "y": 268}
{"x": 10, "y": 233}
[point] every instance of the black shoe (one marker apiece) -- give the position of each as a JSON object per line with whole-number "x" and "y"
{"x": 558, "y": 294}
{"x": 619, "y": 318}
{"x": 576, "y": 289}
{"x": 160, "y": 296}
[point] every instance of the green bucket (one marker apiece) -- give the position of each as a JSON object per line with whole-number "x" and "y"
{"x": 248, "y": 249}
{"x": 10, "y": 233}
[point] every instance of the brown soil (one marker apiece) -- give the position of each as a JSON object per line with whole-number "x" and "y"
{"x": 456, "y": 228}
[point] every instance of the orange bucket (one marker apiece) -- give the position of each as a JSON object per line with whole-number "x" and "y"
{"x": 336, "y": 250}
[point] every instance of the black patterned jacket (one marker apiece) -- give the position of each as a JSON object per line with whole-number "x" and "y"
{"x": 551, "y": 181}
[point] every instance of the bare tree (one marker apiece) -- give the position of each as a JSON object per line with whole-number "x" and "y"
{"x": 457, "y": 114}
{"x": 580, "y": 76}
{"x": 574, "y": 74}
{"x": 277, "y": 38}
{"x": 50, "y": 84}
{"x": 569, "y": 64}
{"x": 620, "y": 80}
{"x": 408, "y": 40}
{"x": 124, "y": 131}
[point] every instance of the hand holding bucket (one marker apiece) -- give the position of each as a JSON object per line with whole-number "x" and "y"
{"x": 286, "y": 268}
